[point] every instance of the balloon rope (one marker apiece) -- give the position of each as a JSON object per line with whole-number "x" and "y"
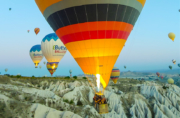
{"x": 90, "y": 83}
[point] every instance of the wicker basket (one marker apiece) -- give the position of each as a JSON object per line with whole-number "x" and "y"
{"x": 102, "y": 108}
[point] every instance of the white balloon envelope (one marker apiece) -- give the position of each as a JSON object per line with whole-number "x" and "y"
{"x": 36, "y": 54}
{"x": 53, "y": 50}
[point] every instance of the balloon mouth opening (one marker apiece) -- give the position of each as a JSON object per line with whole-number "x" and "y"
{"x": 36, "y": 67}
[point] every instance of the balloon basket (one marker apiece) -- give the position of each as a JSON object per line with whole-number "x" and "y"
{"x": 102, "y": 108}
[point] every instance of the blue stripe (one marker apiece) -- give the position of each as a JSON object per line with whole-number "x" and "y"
{"x": 36, "y": 48}
{"x": 114, "y": 76}
{"x": 49, "y": 37}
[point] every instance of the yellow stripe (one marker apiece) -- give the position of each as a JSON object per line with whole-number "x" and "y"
{"x": 115, "y": 73}
{"x": 95, "y": 47}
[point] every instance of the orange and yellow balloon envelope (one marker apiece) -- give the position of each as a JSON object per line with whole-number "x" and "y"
{"x": 52, "y": 66}
{"x": 115, "y": 74}
{"x": 36, "y": 30}
{"x": 93, "y": 31}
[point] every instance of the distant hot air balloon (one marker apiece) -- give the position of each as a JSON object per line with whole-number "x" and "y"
{"x": 172, "y": 36}
{"x": 125, "y": 67}
{"x": 28, "y": 31}
{"x": 158, "y": 74}
{"x": 36, "y": 54}
{"x": 9, "y": 9}
{"x": 179, "y": 64}
{"x": 36, "y": 30}
{"x": 40, "y": 67}
{"x": 6, "y": 70}
{"x": 94, "y": 31}
{"x": 170, "y": 81}
{"x": 161, "y": 77}
{"x": 53, "y": 50}
{"x": 170, "y": 67}
{"x": 44, "y": 62}
{"x": 70, "y": 71}
{"x": 174, "y": 61}
{"x": 115, "y": 74}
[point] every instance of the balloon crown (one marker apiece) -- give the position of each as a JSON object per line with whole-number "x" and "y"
{"x": 36, "y": 48}
{"x": 50, "y": 37}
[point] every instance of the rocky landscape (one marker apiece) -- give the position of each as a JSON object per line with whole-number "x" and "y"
{"x": 72, "y": 98}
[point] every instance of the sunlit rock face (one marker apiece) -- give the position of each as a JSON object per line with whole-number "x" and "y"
{"x": 55, "y": 98}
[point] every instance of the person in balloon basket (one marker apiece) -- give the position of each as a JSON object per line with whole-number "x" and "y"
{"x": 99, "y": 100}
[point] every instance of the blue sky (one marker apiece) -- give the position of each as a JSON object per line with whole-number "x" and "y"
{"x": 147, "y": 48}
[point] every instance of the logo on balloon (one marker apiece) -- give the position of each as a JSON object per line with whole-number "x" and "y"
{"x": 59, "y": 49}
{"x": 37, "y": 55}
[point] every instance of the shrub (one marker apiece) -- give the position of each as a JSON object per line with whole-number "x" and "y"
{"x": 71, "y": 102}
{"x": 79, "y": 103}
{"x": 67, "y": 77}
{"x": 66, "y": 100}
{"x": 18, "y": 76}
{"x": 84, "y": 78}
{"x": 75, "y": 77}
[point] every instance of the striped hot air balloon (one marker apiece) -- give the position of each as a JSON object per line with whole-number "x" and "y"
{"x": 115, "y": 74}
{"x": 36, "y": 30}
{"x": 94, "y": 31}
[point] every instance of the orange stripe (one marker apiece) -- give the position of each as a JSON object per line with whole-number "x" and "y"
{"x": 91, "y": 26}
{"x": 142, "y": 2}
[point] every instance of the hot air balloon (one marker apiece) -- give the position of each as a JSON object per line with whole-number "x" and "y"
{"x": 9, "y": 9}
{"x": 6, "y": 70}
{"x": 170, "y": 81}
{"x": 158, "y": 74}
{"x": 174, "y": 61}
{"x": 44, "y": 62}
{"x": 179, "y": 64}
{"x": 28, "y": 31}
{"x": 170, "y": 67}
{"x": 70, "y": 71}
{"x": 36, "y": 30}
{"x": 53, "y": 50}
{"x": 115, "y": 74}
{"x": 40, "y": 67}
{"x": 161, "y": 77}
{"x": 125, "y": 67}
{"x": 94, "y": 31}
{"x": 36, "y": 54}
{"x": 172, "y": 36}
